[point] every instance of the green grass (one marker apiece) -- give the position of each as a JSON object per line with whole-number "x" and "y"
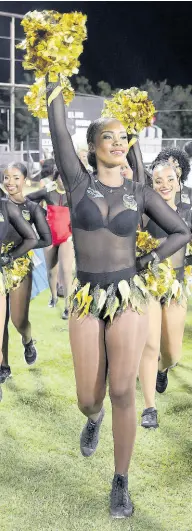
{"x": 45, "y": 483}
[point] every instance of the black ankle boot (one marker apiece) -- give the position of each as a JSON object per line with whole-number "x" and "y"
{"x": 90, "y": 435}
{"x": 120, "y": 503}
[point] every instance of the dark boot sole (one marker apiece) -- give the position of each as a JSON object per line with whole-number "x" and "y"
{"x": 150, "y": 427}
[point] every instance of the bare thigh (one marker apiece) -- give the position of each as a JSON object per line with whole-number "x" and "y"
{"x": 125, "y": 340}
{"x": 20, "y": 301}
{"x": 51, "y": 257}
{"x": 66, "y": 258}
{"x": 152, "y": 345}
{"x": 173, "y": 324}
{"x": 2, "y": 321}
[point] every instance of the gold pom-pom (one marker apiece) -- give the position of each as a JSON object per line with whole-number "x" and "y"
{"x": 53, "y": 44}
{"x": 16, "y": 272}
{"x": 132, "y": 108}
{"x": 35, "y": 98}
{"x": 145, "y": 243}
{"x": 189, "y": 249}
{"x": 158, "y": 286}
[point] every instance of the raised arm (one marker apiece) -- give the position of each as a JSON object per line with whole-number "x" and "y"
{"x": 24, "y": 229}
{"x": 38, "y": 196}
{"x": 42, "y": 228}
{"x": 71, "y": 169}
{"x": 178, "y": 233}
{"x": 135, "y": 160}
{"x": 2, "y": 193}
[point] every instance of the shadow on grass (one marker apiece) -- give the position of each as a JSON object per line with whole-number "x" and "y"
{"x": 182, "y": 384}
{"x": 188, "y": 333}
{"x": 179, "y": 407}
{"x": 185, "y": 367}
{"x": 80, "y": 496}
{"x": 147, "y": 523}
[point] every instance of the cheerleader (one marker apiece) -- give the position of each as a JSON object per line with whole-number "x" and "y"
{"x": 11, "y": 219}
{"x": 61, "y": 251}
{"x": 166, "y": 316}
{"x": 184, "y": 192}
{"x": 19, "y": 277}
{"x": 107, "y": 331}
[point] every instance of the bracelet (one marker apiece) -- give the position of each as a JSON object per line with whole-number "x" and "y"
{"x": 51, "y": 86}
{"x": 6, "y": 260}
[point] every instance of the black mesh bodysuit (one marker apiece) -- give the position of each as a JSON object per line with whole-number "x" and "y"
{"x": 104, "y": 219}
{"x": 11, "y": 220}
{"x": 178, "y": 259}
{"x": 50, "y": 197}
{"x": 32, "y": 213}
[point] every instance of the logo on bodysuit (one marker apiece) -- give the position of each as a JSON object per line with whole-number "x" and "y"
{"x": 2, "y": 217}
{"x": 129, "y": 202}
{"x": 26, "y": 215}
{"x": 94, "y": 193}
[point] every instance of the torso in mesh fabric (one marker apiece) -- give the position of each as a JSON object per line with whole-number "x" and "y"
{"x": 104, "y": 226}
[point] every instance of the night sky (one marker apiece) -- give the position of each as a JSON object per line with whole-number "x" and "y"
{"x": 128, "y": 42}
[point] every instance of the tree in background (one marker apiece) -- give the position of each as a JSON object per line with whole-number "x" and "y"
{"x": 104, "y": 89}
{"x": 166, "y": 98}
{"x": 173, "y": 124}
{"x": 81, "y": 84}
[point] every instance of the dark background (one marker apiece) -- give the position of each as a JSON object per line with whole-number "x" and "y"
{"x": 128, "y": 42}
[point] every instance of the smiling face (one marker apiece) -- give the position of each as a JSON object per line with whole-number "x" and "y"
{"x": 110, "y": 144}
{"x": 165, "y": 182}
{"x": 13, "y": 181}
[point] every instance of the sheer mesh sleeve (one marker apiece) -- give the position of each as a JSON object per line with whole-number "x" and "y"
{"x": 135, "y": 160}
{"x": 2, "y": 193}
{"x": 24, "y": 230}
{"x": 42, "y": 228}
{"x": 38, "y": 196}
{"x": 70, "y": 168}
{"x": 178, "y": 233}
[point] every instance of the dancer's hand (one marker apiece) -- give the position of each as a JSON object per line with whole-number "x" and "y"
{"x": 188, "y": 260}
{"x": 5, "y": 260}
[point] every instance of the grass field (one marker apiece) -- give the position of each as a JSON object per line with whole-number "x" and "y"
{"x": 45, "y": 483}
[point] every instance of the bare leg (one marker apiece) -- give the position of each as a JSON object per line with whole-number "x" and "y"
{"x": 19, "y": 306}
{"x": 89, "y": 358}
{"x": 125, "y": 340}
{"x": 173, "y": 323}
{"x": 51, "y": 259}
{"x": 66, "y": 257}
{"x": 6, "y": 336}
{"x": 2, "y": 322}
{"x": 149, "y": 361}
